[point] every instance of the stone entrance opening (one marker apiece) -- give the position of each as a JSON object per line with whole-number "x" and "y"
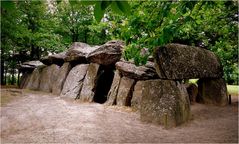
{"x": 104, "y": 81}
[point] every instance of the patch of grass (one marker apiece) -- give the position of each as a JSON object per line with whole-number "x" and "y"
{"x": 233, "y": 89}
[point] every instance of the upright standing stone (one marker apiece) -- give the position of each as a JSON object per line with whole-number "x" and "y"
{"x": 34, "y": 81}
{"x": 176, "y": 61}
{"x": 137, "y": 95}
{"x": 164, "y": 102}
{"x": 48, "y": 76}
{"x": 25, "y": 79}
{"x": 125, "y": 92}
{"x": 89, "y": 85}
{"x": 74, "y": 81}
{"x": 112, "y": 95}
{"x": 58, "y": 84}
{"x": 212, "y": 91}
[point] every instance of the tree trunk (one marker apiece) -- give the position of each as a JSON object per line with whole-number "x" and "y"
{"x": 2, "y": 72}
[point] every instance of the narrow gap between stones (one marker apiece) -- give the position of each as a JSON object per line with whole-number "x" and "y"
{"x": 104, "y": 82}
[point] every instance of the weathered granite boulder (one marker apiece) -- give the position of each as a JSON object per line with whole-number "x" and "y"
{"x": 30, "y": 66}
{"x": 57, "y": 59}
{"x": 125, "y": 91}
{"x": 164, "y": 102}
{"x": 63, "y": 72}
{"x": 107, "y": 54}
{"x": 192, "y": 90}
{"x": 78, "y": 52}
{"x": 132, "y": 71}
{"x": 89, "y": 84}
{"x": 48, "y": 76}
{"x": 25, "y": 79}
{"x": 176, "y": 61}
{"x": 74, "y": 81}
{"x": 137, "y": 95}
{"x": 212, "y": 91}
{"x": 112, "y": 95}
{"x": 34, "y": 80}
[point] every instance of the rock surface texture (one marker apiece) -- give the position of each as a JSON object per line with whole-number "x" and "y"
{"x": 74, "y": 81}
{"x": 34, "y": 80}
{"x": 164, "y": 102}
{"x": 25, "y": 79}
{"x": 112, "y": 95}
{"x": 78, "y": 52}
{"x": 58, "y": 84}
{"x": 212, "y": 91}
{"x": 107, "y": 54}
{"x": 125, "y": 91}
{"x": 176, "y": 61}
{"x": 137, "y": 95}
{"x": 89, "y": 84}
{"x": 130, "y": 70}
{"x": 49, "y": 75}
{"x": 57, "y": 59}
{"x": 30, "y": 65}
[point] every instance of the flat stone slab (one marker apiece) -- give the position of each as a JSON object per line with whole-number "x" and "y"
{"x": 176, "y": 61}
{"x": 74, "y": 81}
{"x": 89, "y": 85}
{"x": 164, "y": 102}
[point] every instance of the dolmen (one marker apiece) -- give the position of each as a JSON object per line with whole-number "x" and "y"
{"x": 100, "y": 74}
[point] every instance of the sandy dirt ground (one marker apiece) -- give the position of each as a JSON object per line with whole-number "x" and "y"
{"x": 44, "y": 118}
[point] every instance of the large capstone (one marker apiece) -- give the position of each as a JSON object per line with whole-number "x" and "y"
{"x": 63, "y": 72}
{"x": 57, "y": 59}
{"x": 125, "y": 91}
{"x": 137, "y": 95}
{"x": 107, "y": 54}
{"x": 111, "y": 98}
{"x": 30, "y": 66}
{"x": 35, "y": 78}
{"x": 48, "y": 76}
{"x": 132, "y": 71}
{"x": 164, "y": 102}
{"x": 78, "y": 52}
{"x": 176, "y": 61}
{"x": 74, "y": 81}
{"x": 212, "y": 91}
{"x": 89, "y": 85}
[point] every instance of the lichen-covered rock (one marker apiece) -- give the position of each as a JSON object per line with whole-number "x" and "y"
{"x": 89, "y": 85}
{"x": 74, "y": 81}
{"x": 78, "y": 52}
{"x": 212, "y": 91}
{"x": 57, "y": 59}
{"x": 107, "y": 54}
{"x": 164, "y": 102}
{"x": 125, "y": 91}
{"x": 137, "y": 95}
{"x": 176, "y": 61}
{"x": 30, "y": 66}
{"x": 25, "y": 79}
{"x": 48, "y": 76}
{"x": 132, "y": 71}
{"x": 34, "y": 80}
{"x": 192, "y": 90}
{"x": 63, "y": 72}
{"x": 111, "y": 100}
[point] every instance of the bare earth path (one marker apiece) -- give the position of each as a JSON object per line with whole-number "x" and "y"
{"x": 44, "y": 118}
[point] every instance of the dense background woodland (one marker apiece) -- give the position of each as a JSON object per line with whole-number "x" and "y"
{"x": 33, "y": 29}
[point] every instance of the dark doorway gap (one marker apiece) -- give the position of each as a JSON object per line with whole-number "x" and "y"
{"x": 104, "y": 82}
